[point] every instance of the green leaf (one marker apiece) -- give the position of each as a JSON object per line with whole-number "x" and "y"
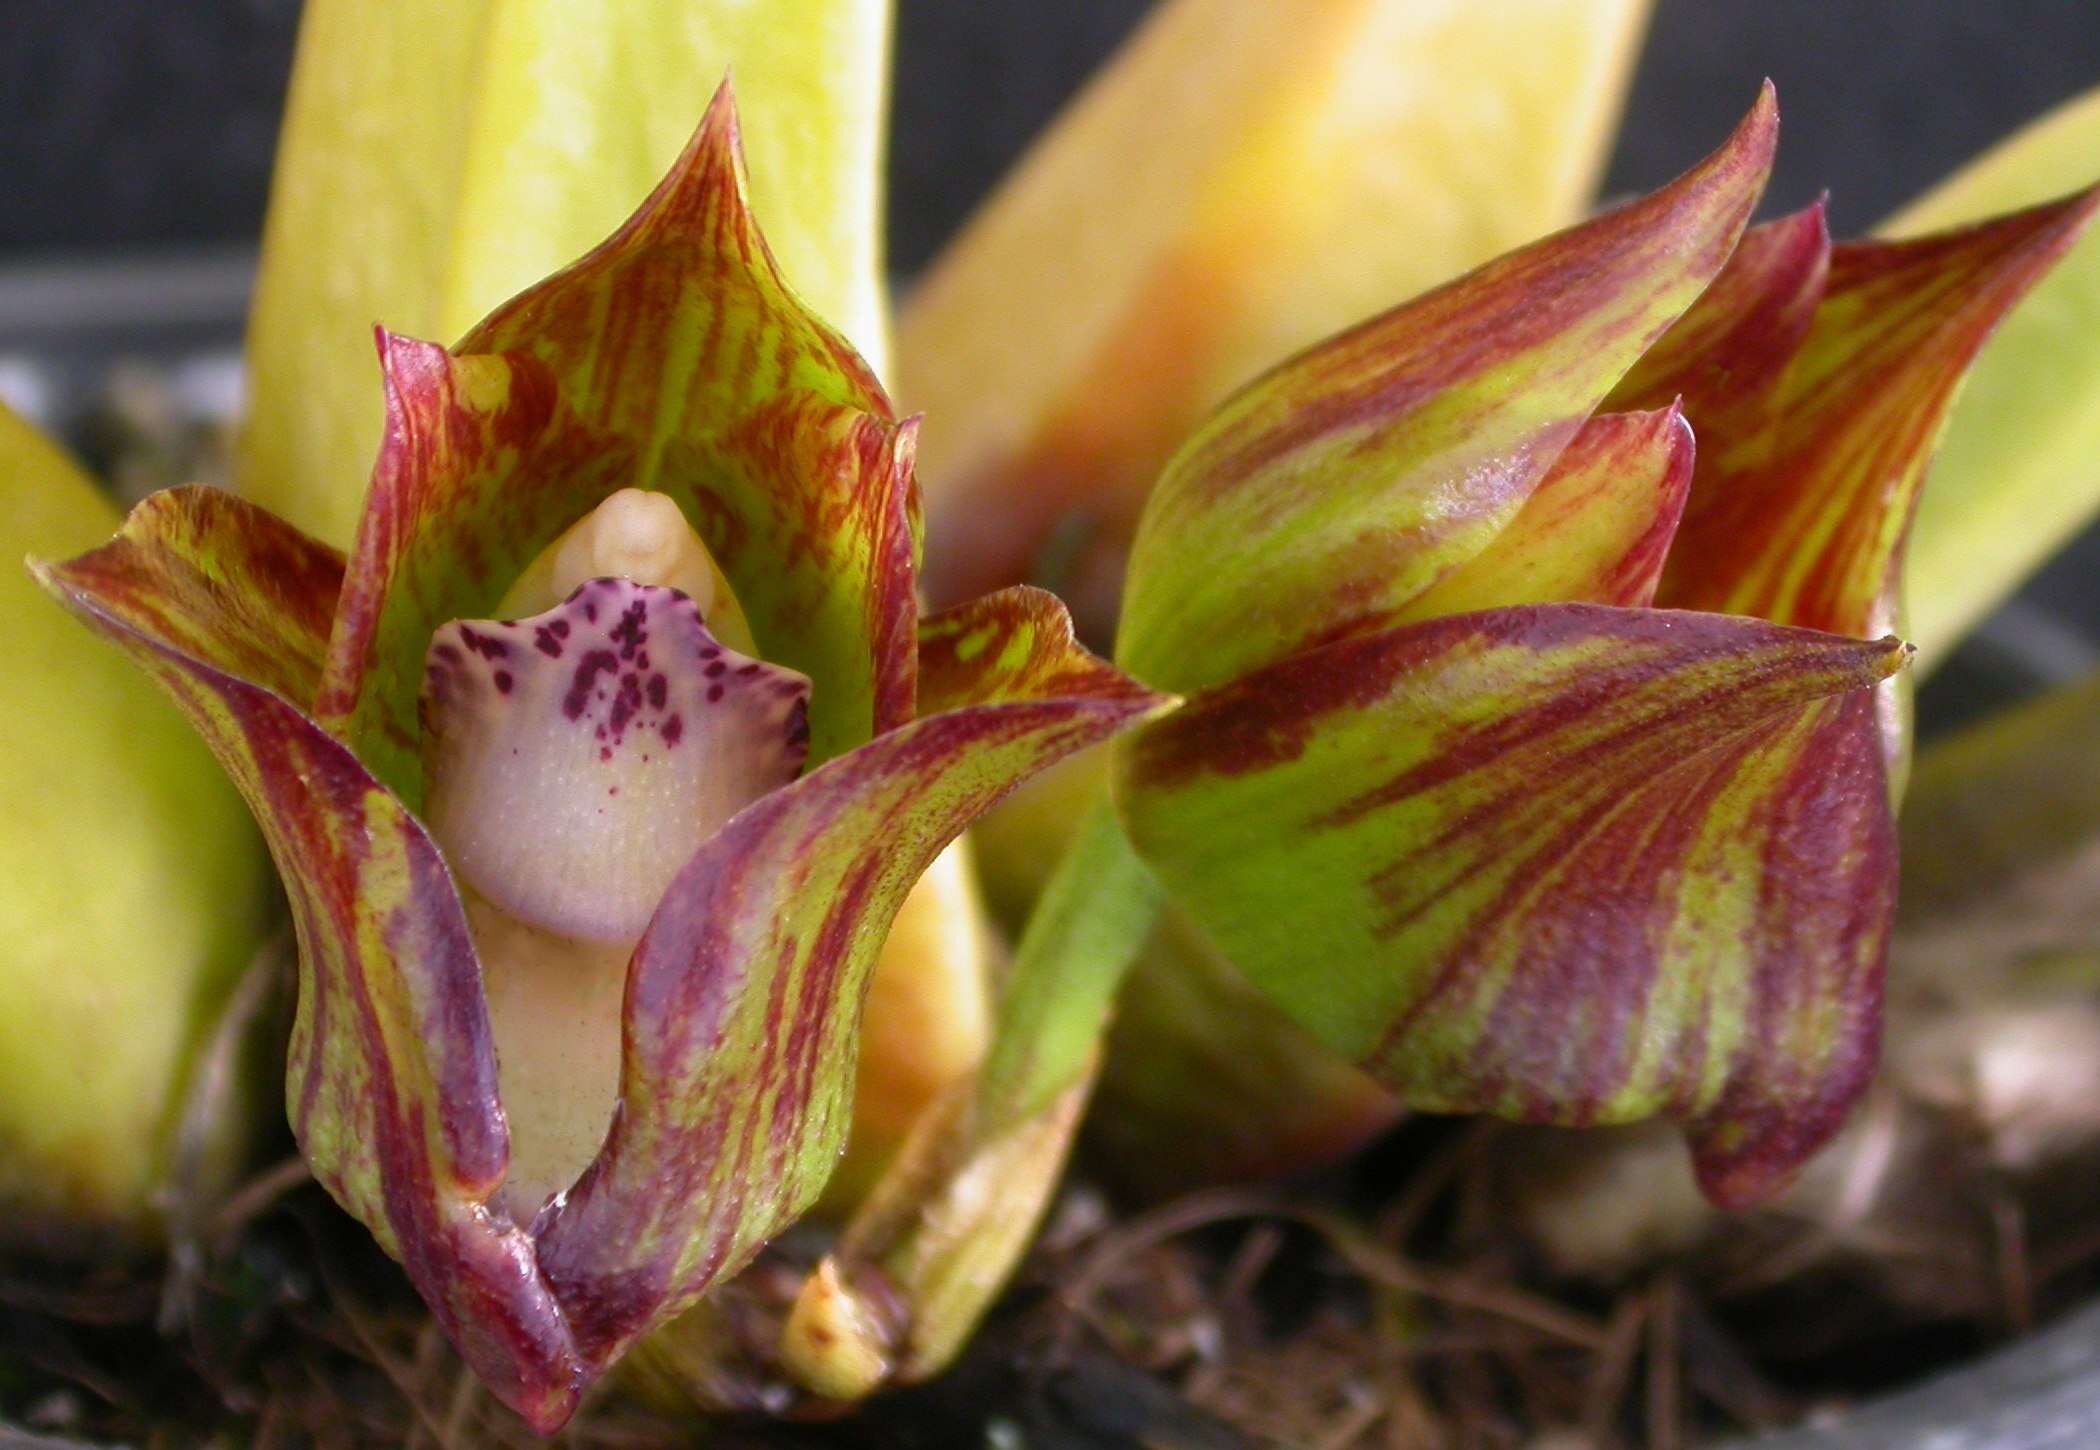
{"x": 1324, "y": 497}
{"x": 1563, "y": 863}
{"x": 1238, "y": 183}
{"x": 133, "y": 891}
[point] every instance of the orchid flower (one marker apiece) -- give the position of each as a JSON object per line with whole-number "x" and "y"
{"x": 1411, "y": 142}
{"x": 1449, "y": 788}
{"x": 1535, "y": 857}
{"x": 596, "y": 772}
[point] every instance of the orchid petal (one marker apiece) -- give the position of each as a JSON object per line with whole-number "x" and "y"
{"x": 1595, "y": 531}
{"x": 1805, "y": 524}
{"x": 1727, "y": 354}
{"x": 392, "y": 1080}
{"x": 742, "y": 1003}
{"x": 1561, "y": 863}
{"x": 926, "y": 1021}
{"x": 435, "y": 160}
{"x": 673, "y": 358}
{"x": 681, "y": 333}
{"x": 1326, "y": 496}
{"x": 1012, "y": 646}
{"x": 2019, "y": 466}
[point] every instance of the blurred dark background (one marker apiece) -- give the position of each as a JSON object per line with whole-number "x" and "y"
{"x": 130, "y": 124}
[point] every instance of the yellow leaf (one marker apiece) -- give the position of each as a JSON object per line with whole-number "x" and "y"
{"x": 131, "y": 890}
{"x": 437, "y": 159}
{"x": 2019, "y": 467}
{"x": 1239, "y": 182}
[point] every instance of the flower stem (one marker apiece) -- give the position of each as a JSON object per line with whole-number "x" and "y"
{"x": 1082, "y": 939}
{"x": 953, "y": 1214}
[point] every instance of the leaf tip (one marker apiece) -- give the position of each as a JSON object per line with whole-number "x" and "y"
{"x": 1755, "y": 139}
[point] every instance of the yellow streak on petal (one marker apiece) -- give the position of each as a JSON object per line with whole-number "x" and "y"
{"x": 928, "y": 1017}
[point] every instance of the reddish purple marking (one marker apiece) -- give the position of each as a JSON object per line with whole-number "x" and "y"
{"x": 625, "y": 705}
{"x": 632, "y": 632}
{"x": 483, "y": 645}
{"x": 673, "y": 730}
{"x": 503, "y": 682}
{"x": 594, "y": 663}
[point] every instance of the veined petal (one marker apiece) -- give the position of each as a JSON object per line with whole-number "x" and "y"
{"x": 218, "y": 580}
{"x": 435, "y": 160}
{"x": 1595, "y": 531}
{"x": 392, "y": 1082}
{"x": 2019, "y": 467}
{"x": 1566, "y": 863}
{"x": 1322, "y": 498}
{"x": 1805, "y": 525}
{"x": 742, "y": 1005}
{"x": 1012, "y": 646}
{"x": 681, "y": 334}
{"x": 675, "y": 359}
{"x": 577, "y": 759}
{"x": 1726, "y": 355}
{"x": 133, "y": 893}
